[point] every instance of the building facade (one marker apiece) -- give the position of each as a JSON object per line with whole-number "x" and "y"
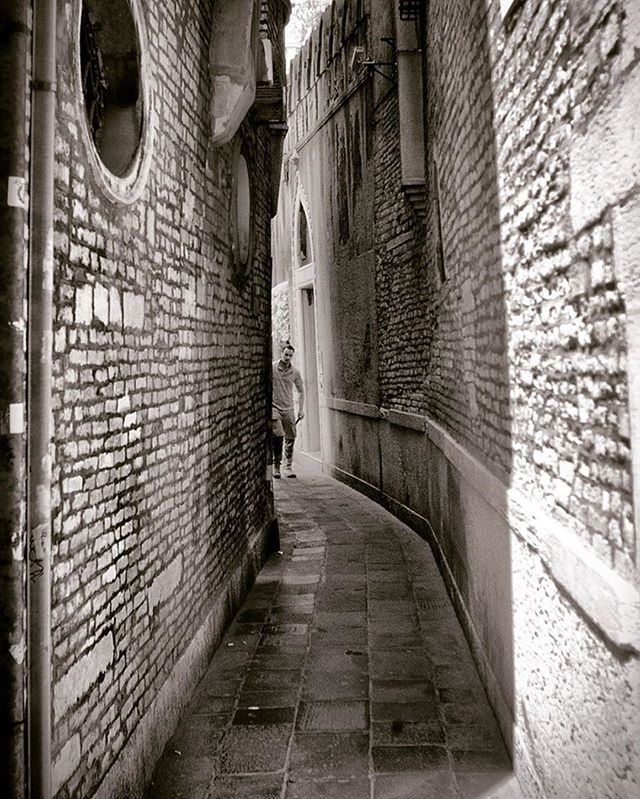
{"x": 456, "y": 258}
{"x": 142, "y": 175}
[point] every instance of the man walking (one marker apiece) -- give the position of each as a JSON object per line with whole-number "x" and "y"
{"x": 283, "y": 418}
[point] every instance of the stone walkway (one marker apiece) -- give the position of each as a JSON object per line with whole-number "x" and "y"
{"x": 345, "y": 675}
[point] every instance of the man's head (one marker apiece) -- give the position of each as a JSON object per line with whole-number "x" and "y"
{"x": 286, "y": 353}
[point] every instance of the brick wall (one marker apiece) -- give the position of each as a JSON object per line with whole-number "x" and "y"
{"x": 444, "y": 342}
{"x": 521, "y": 352}
{"x": 406, "y": 293}
{"x": 159, "y": 400}
{"x": 567, "y": 347}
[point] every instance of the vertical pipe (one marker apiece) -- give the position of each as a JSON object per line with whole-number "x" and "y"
{"x": 39, "y": 397}
{"x": 14, "y": 59}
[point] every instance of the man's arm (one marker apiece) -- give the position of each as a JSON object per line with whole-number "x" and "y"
{"x": 300, "y": 388}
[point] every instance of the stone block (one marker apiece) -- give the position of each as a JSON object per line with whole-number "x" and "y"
{"x": 134, "y": 307}
{"x": 65, "y": 763}
{"x": 84, "y": 305}
{"x": 82, "y": 675}
{"x": 605, "y": 157}
{"x": 165, "y": 583}
{"x": 115, "y": 307}
{"x": 101, "y": 303}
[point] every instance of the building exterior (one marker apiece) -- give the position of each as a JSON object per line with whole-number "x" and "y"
{"x": 456, "y": 258}
{"x": 141, "y": 175}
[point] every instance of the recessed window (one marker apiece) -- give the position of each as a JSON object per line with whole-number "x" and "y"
{"x": 242, "y": 215}
{"x": 304, "y": 245}
{"x": 110, "y": 67}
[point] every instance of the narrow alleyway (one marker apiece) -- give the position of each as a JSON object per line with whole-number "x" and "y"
{"x": 345, "y": 674}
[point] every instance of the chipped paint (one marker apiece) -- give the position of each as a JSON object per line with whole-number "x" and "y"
{"x": 18, "y": 651}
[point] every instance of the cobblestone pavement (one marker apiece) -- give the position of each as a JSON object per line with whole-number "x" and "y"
{"x": 345, "y": 675}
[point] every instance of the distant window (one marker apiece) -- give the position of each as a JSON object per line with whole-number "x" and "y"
{"x": 304, "y": 242}
{"x": 111, "y": 81}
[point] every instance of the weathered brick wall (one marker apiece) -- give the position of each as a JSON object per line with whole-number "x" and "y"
{"x": 159, "y": 399}
{"x": 444, "y": 342}
{"x": 406, "y": 292}
{"x": 558, "y": 63}
{"x": 520, "y": 352}
{"x": 560, "y": 67}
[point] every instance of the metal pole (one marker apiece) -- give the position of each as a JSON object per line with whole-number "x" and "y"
{"x": 39, "y": 397}
{"x": 14, "y": 53}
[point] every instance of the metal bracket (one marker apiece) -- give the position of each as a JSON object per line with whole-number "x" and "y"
{"x": 373, "y": 65}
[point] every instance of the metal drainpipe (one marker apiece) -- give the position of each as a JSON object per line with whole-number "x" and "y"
{"x": 39, "y": 397}
{"x": 14, "y": 56}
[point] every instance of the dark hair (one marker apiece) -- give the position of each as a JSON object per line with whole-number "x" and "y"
{"x": 287, "y": 345}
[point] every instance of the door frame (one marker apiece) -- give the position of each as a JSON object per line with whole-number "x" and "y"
{"x": 304, "y": 278}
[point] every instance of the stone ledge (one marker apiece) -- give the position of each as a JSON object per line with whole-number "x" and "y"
{"x": 612, "y": 603}
{"x": 347, "y": 406}
{"x": 412, "y": 421}
{"x": 356, "y": 483}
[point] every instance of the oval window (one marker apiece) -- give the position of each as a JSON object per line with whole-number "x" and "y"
{"x": 111, "y": 81}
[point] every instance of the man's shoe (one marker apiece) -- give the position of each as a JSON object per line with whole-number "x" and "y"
{"x": 288, "y": 471}
{"x": 276, "y": 471}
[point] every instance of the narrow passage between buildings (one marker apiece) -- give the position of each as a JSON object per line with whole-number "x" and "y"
{"x": 344, "y": 675}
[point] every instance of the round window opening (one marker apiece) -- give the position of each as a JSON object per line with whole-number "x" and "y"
{"x": 242, "y": 211}
{"x": 111, "y": 81}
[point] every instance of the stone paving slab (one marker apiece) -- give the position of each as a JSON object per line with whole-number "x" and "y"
{"x": 345, "y": 675}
